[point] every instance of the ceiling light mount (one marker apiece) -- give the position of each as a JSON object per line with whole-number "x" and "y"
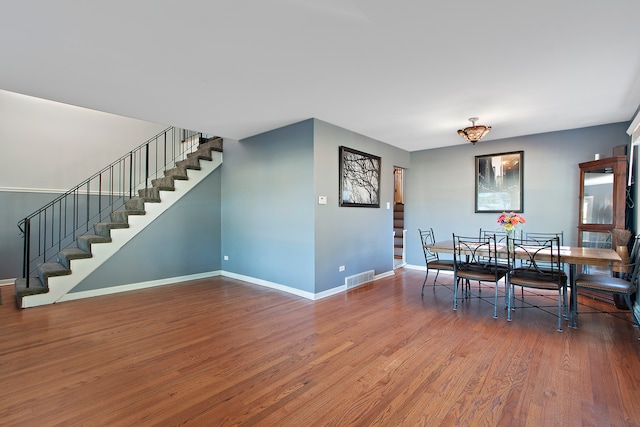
{"x": 474, "y": 133}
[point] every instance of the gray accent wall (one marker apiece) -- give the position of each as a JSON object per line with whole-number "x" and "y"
{"x": 360, "y": 239}
{"x": 440, "y": 183}
{"x": 185, "y": 240}
{"x": 15, "y": 206}
{"x": 273, "y": 228}
{"x": 268, "y": 210}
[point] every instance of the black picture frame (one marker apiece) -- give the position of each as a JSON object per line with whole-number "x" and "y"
{"x": 359, "y": 179}
{"x": 499, "y": 182}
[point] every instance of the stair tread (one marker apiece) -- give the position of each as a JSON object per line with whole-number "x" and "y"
{"x": 94, "y": 238}
{"x": 75, "y": 253}
{"x": 35, "y": 287}
{"x": 134, "y": 212}
{"x": 49, "y": 269}
{"x": 111, "y": 224}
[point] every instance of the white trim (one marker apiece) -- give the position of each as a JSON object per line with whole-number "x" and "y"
{"x": 32, "y": 190}
{"x": 383, "y": 275}
{"x": 135, "y": 286}
{"x": 72, "y": 296}
{"x": 267, "y": 284}
{"x": 6, "y": 282}
{"x": 634, "y": 125}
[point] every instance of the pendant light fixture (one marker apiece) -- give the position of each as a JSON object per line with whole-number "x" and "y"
{"x": 474, "y": 133}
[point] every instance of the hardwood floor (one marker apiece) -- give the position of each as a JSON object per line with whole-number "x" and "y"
{"x": 223, "y": 352}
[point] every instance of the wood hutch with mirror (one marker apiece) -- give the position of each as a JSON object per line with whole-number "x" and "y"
{"x": 602, "y": 200}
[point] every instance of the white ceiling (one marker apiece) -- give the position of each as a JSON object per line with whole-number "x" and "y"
{"x": 408, "y": 73}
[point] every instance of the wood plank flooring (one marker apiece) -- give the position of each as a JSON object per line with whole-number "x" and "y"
{"x": 221, "y": 352}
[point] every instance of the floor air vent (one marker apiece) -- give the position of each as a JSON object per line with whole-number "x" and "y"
{"x": 359, "y": 279}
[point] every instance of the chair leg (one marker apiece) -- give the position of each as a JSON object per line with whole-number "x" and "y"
{"x": 560, "y": 310}
{"x": 425, "y": 281}
{"x": 633, "y": 313}
{"x": 436, "y": 278}
{"x": 510, "y": 289}
{"x": 495, "y": 303}
{"x": 455, "y": 292}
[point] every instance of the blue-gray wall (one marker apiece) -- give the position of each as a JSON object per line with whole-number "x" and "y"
{"x": 184, "y": 240}
{"x": 273, "y": 227}
{"x": 440, "y": 183}
{"x": 14, "y": 206}
{"x": 268, "y": 209}
{"x": 260, "y": 209}
{"x": 360, "y": 239}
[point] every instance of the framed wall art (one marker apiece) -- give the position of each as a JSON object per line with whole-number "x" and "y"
{"x": 499, "y": 182}
{"x": 359, "y": 179}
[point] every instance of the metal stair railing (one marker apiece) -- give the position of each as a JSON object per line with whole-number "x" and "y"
{"x": 57, "y": 225}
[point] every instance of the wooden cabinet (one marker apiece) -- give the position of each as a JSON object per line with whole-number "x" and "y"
{"x": 602, "y": 200}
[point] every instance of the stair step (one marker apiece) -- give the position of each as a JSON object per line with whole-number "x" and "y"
{"x": 177, "y": 173}
{"x": 189, "y": 163}
{"x": 165, "y": 183}
{"x": 35, "y": 287}
{"x": 51, "y": 269}
{"x": 201, "y": 154}
{"x": 214, "y": 143}
{"x": 123, "y": 215}
{"x": 151, "y": 195}
{"x": 85, "y": 241}
{"x": 104, "y": 228}
{"x": 66, "y": 255}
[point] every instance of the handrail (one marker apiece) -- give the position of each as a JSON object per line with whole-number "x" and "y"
{"x": 57, "y": 224}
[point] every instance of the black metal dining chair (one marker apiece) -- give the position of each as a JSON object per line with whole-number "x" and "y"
{"x": 476, "y": 258}
{"x": 624, "y": 286}
{"x": 537, "y": 264}
{"x": 542, "y": 237}
{"x": 432, "y": 259}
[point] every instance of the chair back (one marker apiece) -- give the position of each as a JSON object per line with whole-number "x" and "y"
{"x": 539, "y": 257}
{"x": 427, "y": 238}
{"x": 501, "y": 235}
{"x": 472, "y": 252}
{"x": 631, "y": 270}
{"x": 543, "y": 237}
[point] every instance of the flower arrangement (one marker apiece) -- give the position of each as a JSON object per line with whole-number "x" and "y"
{"x": 509, "y": 221}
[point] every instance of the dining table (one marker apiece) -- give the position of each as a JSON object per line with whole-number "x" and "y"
{"x": 573, "y": 256}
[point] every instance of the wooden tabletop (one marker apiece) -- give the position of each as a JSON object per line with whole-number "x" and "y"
{"x": 569, "y": 254}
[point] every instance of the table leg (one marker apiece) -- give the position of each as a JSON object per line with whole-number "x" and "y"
{"x": 573, "y": 304}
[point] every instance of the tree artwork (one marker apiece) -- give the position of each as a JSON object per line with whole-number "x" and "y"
{"x": 359, "y": 178}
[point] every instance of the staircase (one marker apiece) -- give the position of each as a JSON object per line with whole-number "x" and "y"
{"x": 52, "y": 278}
{"x": 398, "y": 230}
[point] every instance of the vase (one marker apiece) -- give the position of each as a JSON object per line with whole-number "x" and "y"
{"x": 510, "y": 235}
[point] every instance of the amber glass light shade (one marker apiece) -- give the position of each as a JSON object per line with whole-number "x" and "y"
{"x": 474, "y": 133}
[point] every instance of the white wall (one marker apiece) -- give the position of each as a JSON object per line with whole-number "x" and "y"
{"x": 53, "y": 146}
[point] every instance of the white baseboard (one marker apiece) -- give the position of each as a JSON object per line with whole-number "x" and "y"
{"x": 172, "y": 280}
{"x": 7, "y": 282}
